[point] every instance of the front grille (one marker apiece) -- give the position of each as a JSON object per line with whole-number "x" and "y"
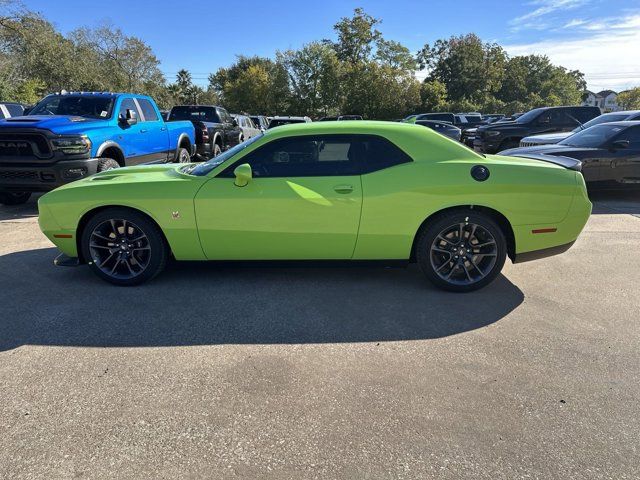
{"x": 528, "y": 144}
{"x": 19, "y": 175}
{"x": 24, "y": 145}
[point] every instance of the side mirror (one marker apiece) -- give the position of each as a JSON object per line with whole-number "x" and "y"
{"x": 243, "y": 175}
{"x": 130, "y": 117}
{"x": 620, "y": 144}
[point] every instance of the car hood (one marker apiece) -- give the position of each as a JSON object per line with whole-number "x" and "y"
{"x": 501, "y": 126}
{"x": 548, "y": 137}
{"x": 60, "y": 124}
{"x": 552, "y": 149}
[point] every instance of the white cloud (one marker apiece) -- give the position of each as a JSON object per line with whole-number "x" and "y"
{"x": 607, "y": 55}
{"x": 532, "y": 19}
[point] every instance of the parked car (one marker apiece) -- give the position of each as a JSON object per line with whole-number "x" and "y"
{"x": 248, "y": 129}
{"x": 337, "y": 191}
{"x": 609, "y": 152}
{"x": 350, "y": 117}
{"x": 552, "y": 138}
{"x": 465, "y": 121}
{"x": 503, "y": 135}
{"x": 443, "y": 128}
{"x": 440, "y": 117}
{"x": 260, "y": 121}
{"x": 70, "y": 136}
{"x": 215, "y": 130}
{"x": 11, "y": 109}
{"x": 278, "y": 121}
{"x": 493, "y": 117}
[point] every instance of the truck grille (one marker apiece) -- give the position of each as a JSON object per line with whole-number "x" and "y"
{"x": 19, "y": 175}
{"x": 528, "y": 144}
{"x": 24, "y": 145}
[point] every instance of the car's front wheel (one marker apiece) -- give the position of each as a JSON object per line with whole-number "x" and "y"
{"x": 124, "y": 247}
{"x": 461, "y": 251}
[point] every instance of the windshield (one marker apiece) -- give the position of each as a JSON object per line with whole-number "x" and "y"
{"x": 607, "y": 117}
{"x": 204, "y": 114}
{"x": 202, "y": 169}
{"x": 592, "y": 137}
{"x": 530, "y": 115}
{"x": 88, "y": 107}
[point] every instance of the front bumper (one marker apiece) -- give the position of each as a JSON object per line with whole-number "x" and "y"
{"x": 484, "y": 145}
{"x": 34, "y": 177}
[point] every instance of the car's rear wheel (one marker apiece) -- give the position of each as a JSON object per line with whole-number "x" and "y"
{"x": 461, "y": 251}
{"x": 124, "y": 247}
{"x": 14, "y": 198}
{"x": 183, "y": 156}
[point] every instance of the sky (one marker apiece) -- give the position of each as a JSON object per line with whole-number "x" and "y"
{"x": 601, "y": 38}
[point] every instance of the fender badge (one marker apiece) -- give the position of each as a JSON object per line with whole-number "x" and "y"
{"x": 175, "y": 215}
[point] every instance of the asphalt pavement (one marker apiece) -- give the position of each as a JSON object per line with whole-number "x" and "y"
{"x": 295, "y": 373}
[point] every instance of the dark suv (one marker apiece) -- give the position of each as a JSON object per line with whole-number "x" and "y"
{"x": 496, "y": 137}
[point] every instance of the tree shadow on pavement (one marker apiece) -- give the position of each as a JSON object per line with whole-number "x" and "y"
{"x": 207, "y": 304}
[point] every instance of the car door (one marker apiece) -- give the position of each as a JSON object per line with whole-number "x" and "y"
{"x": 155, "y": 133}
{"x": 626, "y": 162}
{"x": 130, "y": 137}
{"x": 303, "y": 203}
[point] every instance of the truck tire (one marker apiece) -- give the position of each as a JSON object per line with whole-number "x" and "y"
{"x": 183, "y": 156}
{"x": 216, "y": 149}
{"x": 107, "y": 164}
{"x": 14, "y": 198}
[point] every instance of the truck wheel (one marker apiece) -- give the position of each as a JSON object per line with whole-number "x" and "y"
{"x": 216, "y": 149}
{"x": 14, "y": 198}
{"x": 107, "y": 164}
{"x": 183, "y": 156}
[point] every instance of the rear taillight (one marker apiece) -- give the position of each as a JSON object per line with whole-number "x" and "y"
{"x": 205, "y": 134}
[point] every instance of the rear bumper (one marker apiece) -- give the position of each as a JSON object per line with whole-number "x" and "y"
{"x": 543, "y": 253}
{"x": 33, "y": 177}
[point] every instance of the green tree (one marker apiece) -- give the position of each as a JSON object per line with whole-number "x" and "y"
{"x": 630, "y": 99}
{"x": 471, "y": 70}
{"x": 433, "y": 95}
{"x": 314, "y": 78}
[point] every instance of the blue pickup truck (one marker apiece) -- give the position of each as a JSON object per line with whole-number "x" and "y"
{"x": 68, "y": 136}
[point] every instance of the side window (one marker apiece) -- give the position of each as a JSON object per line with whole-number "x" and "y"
{"x": 322, "y": 155}
{"x": 15, "y": 110}
{"x": 559, "y": 117}
{"x": 147, "y": 110}
{"x": 632, "y": 135}
{"x": 127, "y": 104}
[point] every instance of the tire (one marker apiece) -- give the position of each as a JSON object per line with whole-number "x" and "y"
{"x": 107, "y": 164}
{"x": 241, "y": 139}
{"x": 182, "y": 156}
{"x": 216, "y": 150}
{"x": 105, "y": 246}
{"x": 14, "y": 198}
{"x": 461, "y": 266}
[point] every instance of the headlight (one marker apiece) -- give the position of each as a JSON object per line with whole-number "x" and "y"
{"x": 493, "y": 133}
{"x": 71, "y": 145}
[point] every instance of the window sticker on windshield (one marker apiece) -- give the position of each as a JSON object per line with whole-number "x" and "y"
{"x": 103, "y": 113}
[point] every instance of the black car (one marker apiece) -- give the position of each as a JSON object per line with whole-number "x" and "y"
{"x": 443, "y": 128}
{"x": 609, "y": 152}
{"x": 216, "y": 130}
{"x": 503, "y": 135}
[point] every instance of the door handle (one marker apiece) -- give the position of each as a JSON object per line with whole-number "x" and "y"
{"x": 343, "y": 189}
{"x": 163, "y": 128}
{"x": 143, "y": 130}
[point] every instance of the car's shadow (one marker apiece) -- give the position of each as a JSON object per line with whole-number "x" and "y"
{"x": 205, "y": 304}
{"x": 17, "y": 212}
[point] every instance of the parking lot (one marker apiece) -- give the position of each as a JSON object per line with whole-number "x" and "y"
{"x": 279, "y": 373}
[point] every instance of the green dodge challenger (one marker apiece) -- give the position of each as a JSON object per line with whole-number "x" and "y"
{"x": 356, "y": 191}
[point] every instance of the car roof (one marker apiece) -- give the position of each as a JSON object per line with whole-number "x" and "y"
{"x": 620, "y": 123}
